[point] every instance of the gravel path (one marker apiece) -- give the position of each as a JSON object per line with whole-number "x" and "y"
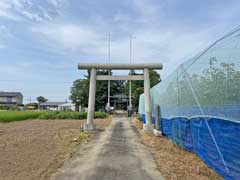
{"x": 116, "y": 155}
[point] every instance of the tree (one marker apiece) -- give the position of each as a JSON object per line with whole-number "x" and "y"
{"x": 80, "y": 91}
{"x": 138, "y": 86}
{"x": 40, "y": 100}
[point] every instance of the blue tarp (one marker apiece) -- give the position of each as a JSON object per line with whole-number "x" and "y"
{"x": 198, "y": 135}
{"x": 181, "y": 133}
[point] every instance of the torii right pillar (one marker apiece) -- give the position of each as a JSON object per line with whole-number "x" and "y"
{"x": 148, "y": 126}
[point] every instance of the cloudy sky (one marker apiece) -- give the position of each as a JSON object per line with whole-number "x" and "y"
{"x": 41, "y": 41}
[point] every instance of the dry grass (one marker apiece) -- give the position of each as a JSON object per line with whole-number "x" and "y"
{"x": 174, "y": 162}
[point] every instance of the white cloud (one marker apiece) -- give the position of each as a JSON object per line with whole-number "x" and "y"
{"x": 30, "y": 9}
{"x": 151, "y": 44}
{"x": 5, "y": 10}
{"x": 170, "y": 47}
{"x": 69, "y": 36}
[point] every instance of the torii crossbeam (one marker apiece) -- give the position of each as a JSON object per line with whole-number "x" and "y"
{"x": 89, "y": 126}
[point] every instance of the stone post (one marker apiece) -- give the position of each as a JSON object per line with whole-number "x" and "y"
{"x": 157, "y": 120}
{"x": 157, "y": 131}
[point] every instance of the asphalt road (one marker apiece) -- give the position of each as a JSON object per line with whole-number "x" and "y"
{"x": 116, "y": 155}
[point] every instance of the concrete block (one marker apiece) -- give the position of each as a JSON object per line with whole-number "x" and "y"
{"x": 89, "y": 127}
{"x": 148, "y": 127}
{"x": 157, "y": 133}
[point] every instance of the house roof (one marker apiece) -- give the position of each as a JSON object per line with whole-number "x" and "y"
{"x": 10, "y": 94}
{"x": 66, "y": 105}
{"x": 51, "y": 103}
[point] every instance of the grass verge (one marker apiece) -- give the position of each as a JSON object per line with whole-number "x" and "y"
{"x": 10, "y": 116}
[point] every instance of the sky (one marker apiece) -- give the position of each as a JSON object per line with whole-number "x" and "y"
{"x": 42, "y": 41}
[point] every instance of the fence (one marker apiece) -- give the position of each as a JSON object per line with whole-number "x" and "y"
{"x": 200, "y": 105}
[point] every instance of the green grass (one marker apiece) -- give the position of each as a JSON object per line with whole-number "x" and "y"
{"x": 139, "y": 117}
{"x": 10, "y": 116}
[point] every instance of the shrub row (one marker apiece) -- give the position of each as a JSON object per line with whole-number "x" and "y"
{"x": 9, "y": 116}
{"x": 69, "y": 115}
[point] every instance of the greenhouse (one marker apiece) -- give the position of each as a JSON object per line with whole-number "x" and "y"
{"x": 200, "y": 105}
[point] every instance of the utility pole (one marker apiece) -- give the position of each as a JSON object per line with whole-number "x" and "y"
{"x": 130, "y": 82}
{"x": 109, "y": 71}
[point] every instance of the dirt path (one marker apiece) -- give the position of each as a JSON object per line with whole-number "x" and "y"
{"x": 116, "y": 155}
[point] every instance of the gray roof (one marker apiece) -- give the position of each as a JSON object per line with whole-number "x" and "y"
{"x": 51, "y": 103}
{"x": 10, "y": 94}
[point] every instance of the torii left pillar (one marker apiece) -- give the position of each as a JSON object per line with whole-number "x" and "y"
{"x": 90, "y": 126}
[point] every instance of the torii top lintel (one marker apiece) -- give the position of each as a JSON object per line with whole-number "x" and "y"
{"x": 120, "y": 66}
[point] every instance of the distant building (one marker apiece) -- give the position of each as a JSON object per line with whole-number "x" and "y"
{"x": 31, "y": 106}
{"x": 119, "y": 101}
{"x": 11, "y": 98}
{"x": 54, "y": 106}
{"x": 66, "y": 106}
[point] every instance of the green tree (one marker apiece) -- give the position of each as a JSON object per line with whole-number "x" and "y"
{"x": 138, "y": 86}
{"x": 40, "y": 100}
{"x": 80, "y": 91}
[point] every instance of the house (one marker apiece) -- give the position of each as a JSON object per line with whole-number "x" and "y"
{"x": 31, "y": 106}
{"x": 66, "y": 106}
{"x": 11, "y": 98}
{"x": 54, "y": 106}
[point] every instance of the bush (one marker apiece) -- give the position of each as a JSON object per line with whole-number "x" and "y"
{"x": 8, "y": 116}
{"x": 2, "y": 107}
{"x": 48, "y": 115}
{"x": 100, "y": 115}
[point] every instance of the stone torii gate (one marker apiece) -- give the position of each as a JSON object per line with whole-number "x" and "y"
{"x": 89, "y": 126}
